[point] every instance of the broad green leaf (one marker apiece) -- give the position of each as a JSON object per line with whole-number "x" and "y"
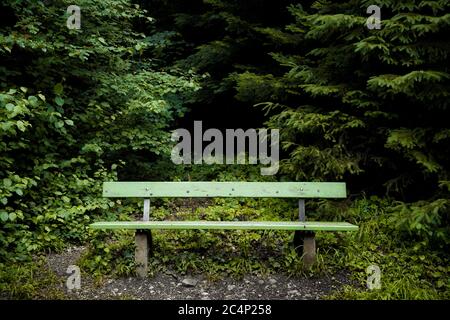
{"x": 4, "y": 216}
{"x": 33, "y": 100}
{"x": 21, "y": 125}
{"x": 10, "y": 107}
{"x": 7, "y": 182}
{"x": 59, "y": 101}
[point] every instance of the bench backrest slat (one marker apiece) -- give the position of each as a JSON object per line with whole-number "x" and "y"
{"x": 225, "y": 189}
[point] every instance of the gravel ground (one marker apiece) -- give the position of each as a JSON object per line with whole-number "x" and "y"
{"x": 170, "y": 286}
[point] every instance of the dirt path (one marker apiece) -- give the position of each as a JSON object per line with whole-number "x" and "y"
{"x": 171, "y": 286}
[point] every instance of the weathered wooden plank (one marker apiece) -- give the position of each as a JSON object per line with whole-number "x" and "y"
{"x": 237, "y": 225}
{"x": 225, "y": 189}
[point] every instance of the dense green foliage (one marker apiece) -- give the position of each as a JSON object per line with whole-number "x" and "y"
{"x": 74, "y": 104}
{"x": 368, "y": 107}
{"x": 355, "y": 101}
{"x": 219, "y": 38}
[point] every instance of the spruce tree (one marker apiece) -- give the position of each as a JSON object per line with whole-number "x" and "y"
{"x": 366, "y": 106}
{"x": 361, "y": 102}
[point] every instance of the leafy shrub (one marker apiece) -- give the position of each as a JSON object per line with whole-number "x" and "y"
{"x": 75, "y": 110}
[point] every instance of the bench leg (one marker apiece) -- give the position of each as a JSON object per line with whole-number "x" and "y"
{"x": 309, "y": 250}
{"x": 143, "y": 249}
{"x": 305, "y": 244}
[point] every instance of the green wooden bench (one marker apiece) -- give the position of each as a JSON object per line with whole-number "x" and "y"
{"x": 304, "y": 230}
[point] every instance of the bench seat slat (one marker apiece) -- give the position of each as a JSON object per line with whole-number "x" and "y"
{"x": 225, "y": 189}
{"x": 236, "y": 225}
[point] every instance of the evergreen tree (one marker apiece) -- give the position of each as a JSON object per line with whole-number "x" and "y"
{"x": 369, "y": 107}
{"x": 359, "y": 101}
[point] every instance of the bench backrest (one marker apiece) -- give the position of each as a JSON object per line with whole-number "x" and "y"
{"x": 225, "y": 189}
